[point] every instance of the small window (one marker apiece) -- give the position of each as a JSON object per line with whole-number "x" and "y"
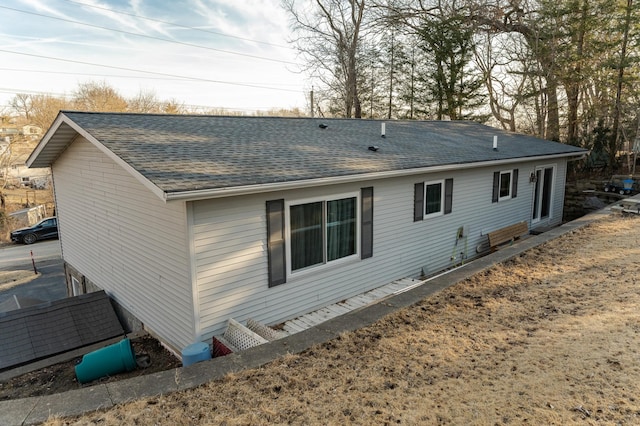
{"x": 76, "y": 288}
{"x": 434, "y": 198}
{"x": 505, "y": 185}
{"x": 322, "y": 231}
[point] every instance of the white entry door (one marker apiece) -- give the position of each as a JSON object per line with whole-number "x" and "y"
{"x": 543, "y": 193}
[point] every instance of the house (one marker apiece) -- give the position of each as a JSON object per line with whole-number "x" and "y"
{"x": 31, "y": 132}
{"x": 10, "y": 132}
{"x": 17, "y": 174}
{"x": 187, "y": 221}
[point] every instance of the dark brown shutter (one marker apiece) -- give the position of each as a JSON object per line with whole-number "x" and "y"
{"x": 418, "y": 202}
{"x": 514, "y": 183}
{"x": 448, "y": 195}
{"x": 366, "y": 222}
{"x": 275, "y": 243}
{"x": 496, "y": 187}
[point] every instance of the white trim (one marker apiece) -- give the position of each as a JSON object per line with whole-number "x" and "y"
{"x": 309, "y": 183}
{"x": 193, "y": 270}
{"x": 554, "y": 177}
{"x": 76, "y": 287}
{"x": 119, "y": 161}
{"x": 510, "y": 187}
{"x": 424, "y": 204}
{"x": 41, "y": 145}
{"x": 314, "y": 268}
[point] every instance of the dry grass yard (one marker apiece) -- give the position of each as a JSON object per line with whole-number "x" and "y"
{"x": 550, "y": 338}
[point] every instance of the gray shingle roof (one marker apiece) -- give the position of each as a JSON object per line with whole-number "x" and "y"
{"x": 38, "y": 331}
{"x": 186, "y": 153}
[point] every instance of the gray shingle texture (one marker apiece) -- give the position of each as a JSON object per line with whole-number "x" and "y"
{"x": 185, "y": 153}
{"x": 53, "y": 327}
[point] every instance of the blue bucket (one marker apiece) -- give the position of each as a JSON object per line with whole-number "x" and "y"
{"x": 195, "y": 352}
{"x": 107, "y": 361}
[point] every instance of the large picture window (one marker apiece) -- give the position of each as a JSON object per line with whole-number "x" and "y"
{"x": 322, "y": 231}
{"x": 308, "y": 233}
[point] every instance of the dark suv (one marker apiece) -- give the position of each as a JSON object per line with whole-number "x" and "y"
{"x": 45, "y": 229}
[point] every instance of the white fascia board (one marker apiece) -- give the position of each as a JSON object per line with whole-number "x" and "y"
{"x": 45, "y": 139}
{"x": 137, "y": 175}
{"x": 282, "y": 186}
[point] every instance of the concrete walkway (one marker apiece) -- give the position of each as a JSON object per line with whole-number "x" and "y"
{"x": 36, "y": 410}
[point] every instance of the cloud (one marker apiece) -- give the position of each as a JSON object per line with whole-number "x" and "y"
{"x": 247, "y": 22}
{"x": 43, "y": 7}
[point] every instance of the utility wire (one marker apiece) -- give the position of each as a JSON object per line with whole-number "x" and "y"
{"x": 31, "y": 92}
{"x": 178, "y": 25}
{"x": 128, "y": 76}
{"x": 191, "y": 107}
{"x": 148, "y": 72}
{"x": 149, "y": 36}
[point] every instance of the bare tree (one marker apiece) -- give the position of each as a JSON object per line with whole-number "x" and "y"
{"x": 328, "y": 36}
{"x": 173, "y": 106}
{"x": 101, "y": 97}
{"x": 21, "y": 104}
{"x": 45, "y": 109}
{"x": 144, "y": 102}
{"x": 622, "y": 65}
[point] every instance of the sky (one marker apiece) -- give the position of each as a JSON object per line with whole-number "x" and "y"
{"x": 206, "y": 54}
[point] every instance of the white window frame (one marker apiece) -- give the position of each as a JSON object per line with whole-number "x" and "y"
{"x": 325, "y": 264}
{"x": 76, "y": 287}
{"x": 508, "y": 196}
{"x": 554, "y": 177}
{"x": 442, "y": 191}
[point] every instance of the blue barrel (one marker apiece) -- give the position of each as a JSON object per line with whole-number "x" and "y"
{"x": 109, "y": 360}
{"x": 195, "y": 352}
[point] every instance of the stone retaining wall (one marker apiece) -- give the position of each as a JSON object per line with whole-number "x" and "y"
{"x": 586, "y": 195}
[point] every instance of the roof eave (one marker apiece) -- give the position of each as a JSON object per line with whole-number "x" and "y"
{"x": 48, "y": 160}
{"x": 32, "y": 160}
{"x": 194, "y": 195}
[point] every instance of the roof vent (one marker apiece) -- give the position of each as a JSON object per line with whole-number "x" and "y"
{"x": 383, "y": 130}
{"x": 323, "y": 126}
{"x": 373, "y": 148}
{"x": 495, "y": 143}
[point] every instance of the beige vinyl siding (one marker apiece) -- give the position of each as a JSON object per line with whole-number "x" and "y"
{"x": 231, "y": 257}
{"x": 126, "y": 240}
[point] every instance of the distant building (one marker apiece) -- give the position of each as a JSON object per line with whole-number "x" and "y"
{"x": 17, "y": 174}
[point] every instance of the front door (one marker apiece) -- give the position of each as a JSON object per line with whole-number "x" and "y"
{"x": 542, "y": 194}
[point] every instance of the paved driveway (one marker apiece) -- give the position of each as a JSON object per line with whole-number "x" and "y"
{"x": 50, "y": 285}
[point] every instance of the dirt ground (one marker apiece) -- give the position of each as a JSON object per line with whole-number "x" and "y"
{"x": 550, "y": 337}
{"x": 62, "y": 377}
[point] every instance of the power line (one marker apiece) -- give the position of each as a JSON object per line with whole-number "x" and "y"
{"x": 191, "y": 107}
{"x": 149, "y": 36}
{"x": 148, "y": 72}
{"x": 31, "y": 92}
{"x": 178, "y": 25}
{"x": 41, "y": 71}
